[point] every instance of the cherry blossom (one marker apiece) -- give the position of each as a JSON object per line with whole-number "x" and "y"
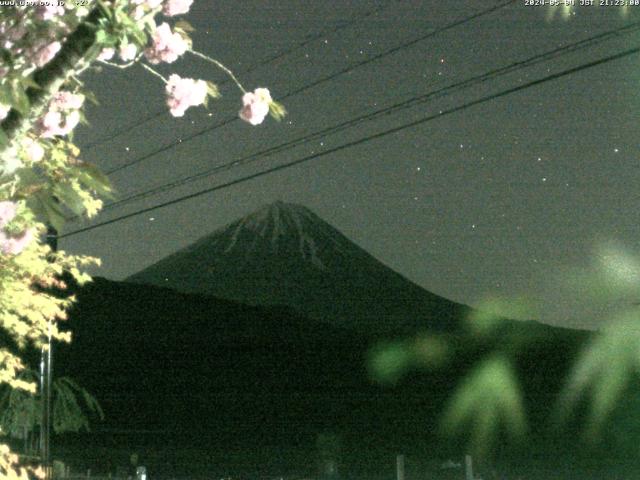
{"x": 32, "y": 149}
{"x": 176, "y": 7}
{"x": 45, "y": 53}
{"x": 167, "y": 45}
{"x": 65, "y": 100}
{"x": 11, "y": 244}
{"x": 63, "y": 114}
{"x": 138, "y": 12}
{"x": 15, "y": 244}
{"x": 127, "y": 52}
{"x": 4, "y": 111}
{"x": 7, "y": 212}
{"x": 255, "y": 106}
{"x": 183, "y": 93}
{"x": 107, "y": 54}
{"x": 49, "y": 11}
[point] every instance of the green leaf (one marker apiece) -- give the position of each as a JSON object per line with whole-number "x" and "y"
{"x": 106, "y": 9}
{"x": 68, "y": 197}
{"x": 4, "y": 140}
{"x": 83, "y": 119}
{"x": 185, "y": 26}
{"x": 491, "y": 314}
{"x": 19, "y": 98}
{"x": 45, "y": 206}
{"x": 91, "y": 97}
{"x": 139, "y": 36}
{"x": 101, "y": 37}
{"x": 212, "y": 90}
{"x": 389, "y": 361}
{"x": 277, "y": 110}
{"x": 185, "y": 36}
{"x": 106, "y": 39}
{"x": 91, "y": 177}
{"x": 488, "y": 398}
{"x": 604, "y": 369}
{"x": 29, "y": 82}
{"x": 5, "y": 94}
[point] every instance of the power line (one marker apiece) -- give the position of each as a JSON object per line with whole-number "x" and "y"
{"x": 273, "y": 58}
{"x": 445, "y": 91}
{"x": 375, "y": 136}
{"x": 319, "y": 82}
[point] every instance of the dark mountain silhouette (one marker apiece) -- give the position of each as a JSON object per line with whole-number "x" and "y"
{"x": 284, "y": 254}
{"x": 176, "y": 372}
{"x": 180, "y": 373}
{"x": 130, "y": 339}
{"x": 184, "y": 370}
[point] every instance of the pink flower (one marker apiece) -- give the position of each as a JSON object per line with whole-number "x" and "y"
{"x": 49, "y": 12}
{"x": 7, "y": 212}
{"x": 138, "y": 12}
{"x": 51, "y": 123}
{"x": 70, "y": 122}
{"x": 33, "y": 149}
{"x": 4, "y": 111}
{"x": 167, "y": 45}
{"x": 54, "y": 123}
{"x": 11, "y": 244}
{"x": 255, "y": 106}
{"x": 176, "y": 7}
{"x": 63, "y": 114}
{"x": 65, "y": 100}
{"x": 127, "y": 52}
{"x": 44, "y": 55}
{"x": 107, "y": 53}
{"x": 183, "y": 93}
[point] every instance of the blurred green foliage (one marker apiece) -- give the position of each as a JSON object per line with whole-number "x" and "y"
{"x": 489, "y": 401}
{"x": 21, "y": 411}
{"x": 486, "y": 400}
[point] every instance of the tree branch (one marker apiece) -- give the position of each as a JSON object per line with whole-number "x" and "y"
{"x": 74, "y": 54}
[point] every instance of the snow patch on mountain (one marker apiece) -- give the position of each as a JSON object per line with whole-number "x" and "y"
{"x": 278, "y": 222}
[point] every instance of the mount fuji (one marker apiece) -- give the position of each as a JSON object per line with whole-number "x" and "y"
{"x": 284, "y": 254}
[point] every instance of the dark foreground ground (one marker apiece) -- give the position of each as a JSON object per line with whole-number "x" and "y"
{"x": 166, "y": 459}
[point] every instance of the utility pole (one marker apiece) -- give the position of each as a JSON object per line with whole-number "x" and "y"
{"x": 468, "y": 467}
{"x": 46, "y": 359}
{"x": 400, "y": 467}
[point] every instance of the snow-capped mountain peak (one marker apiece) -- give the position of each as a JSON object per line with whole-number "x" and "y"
{"x": 284, "y": 254}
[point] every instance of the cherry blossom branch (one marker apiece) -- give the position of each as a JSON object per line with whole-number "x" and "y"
{"x": 220, "y": 66}
{"x": 76, "y": 53}
{"x": 121, "y": 66}
{"x": 154, "y": 72}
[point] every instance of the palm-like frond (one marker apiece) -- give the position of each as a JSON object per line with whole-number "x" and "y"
{"x": 604, "y": 370}
{"x": 488, "y": 399}
{"x": 21, "y": 411}
{"x": 71, "y": 403}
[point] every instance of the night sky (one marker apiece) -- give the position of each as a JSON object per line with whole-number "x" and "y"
{"x": 523, "y": 195}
